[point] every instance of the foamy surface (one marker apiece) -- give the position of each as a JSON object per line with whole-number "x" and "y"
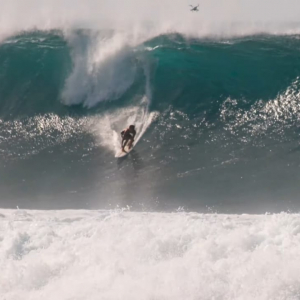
{"x": 127, "y": 255}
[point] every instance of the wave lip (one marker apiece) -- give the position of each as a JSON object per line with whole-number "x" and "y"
{"x": 102, "y": 68}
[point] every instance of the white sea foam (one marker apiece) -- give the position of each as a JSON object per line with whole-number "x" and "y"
{"x": 107, "y": 128}
{"x": 125, "y": 255}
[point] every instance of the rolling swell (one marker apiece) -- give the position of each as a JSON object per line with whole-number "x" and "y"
{"x": 223, "y": 135}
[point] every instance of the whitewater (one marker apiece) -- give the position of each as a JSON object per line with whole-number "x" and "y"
{"x": 206, "y": 205}
{"x": 124, "y": 255}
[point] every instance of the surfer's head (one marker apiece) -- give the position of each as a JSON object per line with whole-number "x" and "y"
{"x": 131, "y": 127}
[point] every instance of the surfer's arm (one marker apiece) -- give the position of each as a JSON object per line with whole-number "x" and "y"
{"x": 123, "y": 136}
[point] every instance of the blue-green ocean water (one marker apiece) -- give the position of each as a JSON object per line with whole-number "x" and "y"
{"x": 225, "y": 136}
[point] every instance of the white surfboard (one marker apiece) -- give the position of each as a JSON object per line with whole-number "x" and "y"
{"x": 122, "y": 153}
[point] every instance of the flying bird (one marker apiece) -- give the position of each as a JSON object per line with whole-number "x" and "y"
{"x": 194, "y": 8}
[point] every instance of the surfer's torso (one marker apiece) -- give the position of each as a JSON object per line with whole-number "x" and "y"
{"x": 128, "y": 134}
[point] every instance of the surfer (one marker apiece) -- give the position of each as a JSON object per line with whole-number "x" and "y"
{"x": 128, "y": 134}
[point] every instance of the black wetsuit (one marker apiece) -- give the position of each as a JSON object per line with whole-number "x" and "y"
{"x": 127, "y": 134}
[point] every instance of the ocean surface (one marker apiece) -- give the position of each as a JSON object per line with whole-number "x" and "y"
{"x": 217, "y": 122}
{"x": 206, "y": 206}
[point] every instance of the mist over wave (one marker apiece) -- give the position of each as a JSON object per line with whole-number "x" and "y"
{"x": 145, "y": 19}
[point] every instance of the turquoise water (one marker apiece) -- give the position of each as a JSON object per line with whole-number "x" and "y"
{"x": 222, "y": 122}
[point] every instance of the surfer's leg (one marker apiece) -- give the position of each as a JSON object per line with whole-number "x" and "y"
{"x": 130, "y": 143}
{"x": 124, "y": 145}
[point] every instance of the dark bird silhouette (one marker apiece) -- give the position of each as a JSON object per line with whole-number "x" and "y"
{"x": 194, "y": 8}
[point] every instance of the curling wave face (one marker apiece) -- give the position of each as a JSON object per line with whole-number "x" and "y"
{"x": 217, "y": 121}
